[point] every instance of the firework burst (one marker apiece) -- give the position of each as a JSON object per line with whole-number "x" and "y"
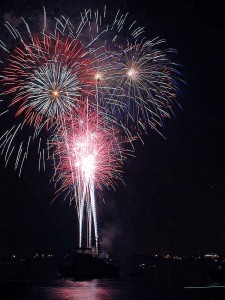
{"x": 45, "y": 77}
{"x": 89, "y": 155}
{"x": 143, "y": 86}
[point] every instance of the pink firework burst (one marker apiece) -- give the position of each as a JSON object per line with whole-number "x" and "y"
{"x": 89, "y": 155}
{"x": 88, "y": 148}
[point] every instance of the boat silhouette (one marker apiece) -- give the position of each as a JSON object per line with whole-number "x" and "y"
{"x": 86, "y": 264}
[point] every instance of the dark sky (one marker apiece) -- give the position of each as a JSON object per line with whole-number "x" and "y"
{"x": 174, "y": 198}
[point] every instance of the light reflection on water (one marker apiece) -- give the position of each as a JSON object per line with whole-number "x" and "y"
{"x": 104, "y": 289}
{"x": 113, "y": 290}
{"x": 94, "y": 290}
{"x": 81, "y": 290}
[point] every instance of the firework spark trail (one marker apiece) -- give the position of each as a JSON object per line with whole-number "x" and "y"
{"x": 91, "y": 156}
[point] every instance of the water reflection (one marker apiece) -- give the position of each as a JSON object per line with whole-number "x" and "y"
{"x": 93, "y": 289}
{"x": 116, "y": 290}
{"x": 102, "y": 289}
{"x": 68, "y": 290}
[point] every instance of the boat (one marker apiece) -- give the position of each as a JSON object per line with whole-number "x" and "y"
{"x": 86, "y": 265}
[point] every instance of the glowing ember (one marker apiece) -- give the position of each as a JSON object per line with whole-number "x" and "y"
{"x": 55, "y": 93}
{"x": 132, "y": 73}
{"x": 98, "y": 76}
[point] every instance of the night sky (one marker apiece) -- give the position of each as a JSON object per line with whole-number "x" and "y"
{"x": 174, "y": 197}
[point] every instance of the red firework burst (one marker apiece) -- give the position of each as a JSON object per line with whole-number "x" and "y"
{"x": 46, "y": 77}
